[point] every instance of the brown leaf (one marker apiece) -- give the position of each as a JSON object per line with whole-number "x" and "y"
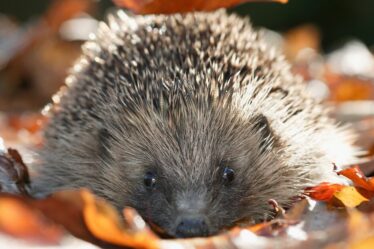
{"x": 38, "y": 218}
{"x": 19, "y": 219}
{"x": 168, "y": 7}
{"x": 93, "y": 220}
{"x": 14, "y": 176}
{"x": 104, "y": 222}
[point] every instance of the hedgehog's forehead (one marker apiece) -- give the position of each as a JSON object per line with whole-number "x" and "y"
{"x": 188, "y": 138}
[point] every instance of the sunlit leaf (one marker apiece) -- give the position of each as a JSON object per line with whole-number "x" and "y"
{"x": 324, "y": 191}
{"x": 350, "y": 197}
{"x": 104, "y": 222}
{"x": 362, "y": 190}
{"x": 358, "y": 178}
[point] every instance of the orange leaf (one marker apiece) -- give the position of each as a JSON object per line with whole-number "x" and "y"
{"x": 348, "y": 88}
{"x": 360, "y": 229}
{"x": 324, "y": 191}
{"x": 168, "y": 7}
{"x": 62, "y": 10}
{"x": 358, "y": 178}
{"x": 348, "y": 196}
{"x": 20, "y": 220}
{"x": 30, "y": 122}
{"x": 104, "y": 222}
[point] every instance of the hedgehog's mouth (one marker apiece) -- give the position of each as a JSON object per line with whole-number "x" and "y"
{"x": 187, "y": 228}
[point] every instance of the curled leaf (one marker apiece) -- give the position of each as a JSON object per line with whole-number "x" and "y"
{"x": 105, "y": 223}
{"x": 14, "y": 176}
{"x": 358, "y": 178}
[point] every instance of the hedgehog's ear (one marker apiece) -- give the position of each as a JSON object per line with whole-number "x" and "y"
{"x": 104, "y": 144}
{"x": 263, "y": 128}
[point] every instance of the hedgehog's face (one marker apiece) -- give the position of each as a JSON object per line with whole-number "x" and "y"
{"x": 189, "y": 208}
{"x": 197, "y": 176}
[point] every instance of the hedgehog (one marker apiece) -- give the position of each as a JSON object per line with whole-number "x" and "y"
{"x": 192, "y": 119}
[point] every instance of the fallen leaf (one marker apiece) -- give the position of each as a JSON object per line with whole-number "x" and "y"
{"x": 104, "y": 222}
{"x": 39, "y": 217}
{"x": 338, "y": 194}
{"x": 168, "y": 7}
{"x": 350, "y": 197}
{"x": 346, "y": 88}
{"x": 358, "y": 178}
{"x": 324, "y": 191}
{"x": 14, "y": 176}
{"x": 19, "y": 219}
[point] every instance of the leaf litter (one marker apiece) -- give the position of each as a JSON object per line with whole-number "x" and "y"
{"x": 329, "y": 215}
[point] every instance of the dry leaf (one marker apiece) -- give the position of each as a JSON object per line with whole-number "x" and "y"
{"x": 358, "y": 178}
{"x": 168, "y": 7}
{"x": 19, "y": 219}
{"x": 350, "y": 197}
{"x": 93, "y": 220}
{"x": 324, "y": 191}
{"x": 14, "y": 176}
{"x": 104, "y": 222}
{"x": 41, "y": 220}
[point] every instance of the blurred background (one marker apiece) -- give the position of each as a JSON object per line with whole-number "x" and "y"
{"x": 39, "y": 39}
{"x": 337, "y": 20}
{"x": 330, "y": 43}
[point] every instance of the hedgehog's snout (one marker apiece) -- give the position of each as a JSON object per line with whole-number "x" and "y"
{"x": 195, "y": 226}
{"x": 192, "y": 219}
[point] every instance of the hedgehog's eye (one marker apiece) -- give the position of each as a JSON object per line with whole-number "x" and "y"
{"x": 150, "y": 180}
{"x": 228, "y": 175}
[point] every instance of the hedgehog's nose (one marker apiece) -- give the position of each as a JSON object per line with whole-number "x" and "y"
{"x": 192, "y": 227}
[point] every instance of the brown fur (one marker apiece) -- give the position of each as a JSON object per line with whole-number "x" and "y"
{"x": 185, "y": 96}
